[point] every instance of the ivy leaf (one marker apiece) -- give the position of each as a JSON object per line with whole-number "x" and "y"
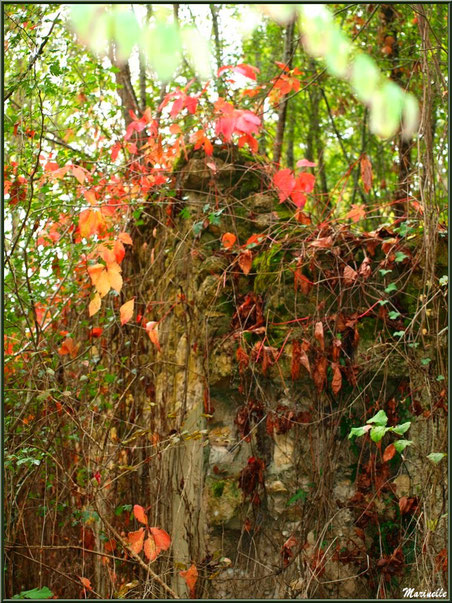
{"x": 376, "y": 433}
{"x": 391, "y": 287}
{"x": 401, "y": 429}
{"x": 379, "y": 419}
{"x": 400, "y": 445}
{"x": 358, "y": 431}
{"x": 436, "y": 457}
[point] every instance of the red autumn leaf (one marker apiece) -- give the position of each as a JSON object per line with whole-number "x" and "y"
{"x": 86, "y": 583}
{"x": 349, "y": 275}
{"x": 319, "y": 335}
{"x": 246, "y": 261}
{"x": 255, "y": 239}
{"x": 118, "y": 251}
{"x": 356, "y": 213}
{"x": 115, "y": 151}
{"x": 366, "y": 173}
{"x": 242, "y": 358}
{"x": 305, "y": 182}
{"x": 139, "y": 514}
{"x": 136, "y": 540}
{"x": 284, "y": 182}
{"x": 110, "y": 546}
{"x": 305, "y": 163}
{"x": 336, "y": 384}
{"x": 247, "y": 122}
{"x": 126, "y": 312}
{"x": 244, "y": 69}
{"x": 389, "y": 453}
{"x": 162, "y": 539}
{"x": 190, "y": 576}
{"x": 228, "y": 240}
{"x": 151, "y": 329}
{"x": 96, "y": 332}
{"x": 150, "y": 550}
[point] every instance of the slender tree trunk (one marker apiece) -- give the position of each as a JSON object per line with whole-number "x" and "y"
{"x": 214, "y": 11}
{"x": 282, "y": 113}
{"x": 404, "y": 145}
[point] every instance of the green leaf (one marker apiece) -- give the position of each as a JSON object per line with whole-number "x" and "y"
{"x": 399, "y": 256}
{"x": 35, "y": 593}
{"x": 379, "y": 419}
{"x": 400, "y": 445}
{"x": 162, "y": 44}
{"x": 401, "y": 429}
{"x": 357, "y": 432}
{"x": 426, "y": 361}
{"x": 376, "y": 433}
{"x": 394, "y": 314}
{"x": 444, "y": 280}
{"x": 365, "y": 77}
{"x": 383, "y": 302}
{"x": 391, "y": 287}
{"x": 440, "y": 378}
{"x": 436, "y": 457}
{"x": 384, "y": 272}
{"x": 299, "y": 495}
{"x": 398, "y": 334}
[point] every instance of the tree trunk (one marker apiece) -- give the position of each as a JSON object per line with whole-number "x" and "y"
{"x": 289, "y": 49}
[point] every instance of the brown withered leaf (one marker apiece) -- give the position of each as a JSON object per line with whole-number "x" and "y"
{"x": 246, "y": 261}
{"x": 389, "y": 453}
{"x": 318, "y": 334}
{"x": 349, "y": 275}
{"x": 336, "y": 351}
{"x": 366, "y": 173}
{"x": 322, "y": 243}
{"x": 302, "y": 282}
{"x": 319, "y": 373}
{"x": 336, "y": 383}
{"x": 365, "y": 269}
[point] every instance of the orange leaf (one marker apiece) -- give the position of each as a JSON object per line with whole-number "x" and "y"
{"x": 125, "y": 238}
{"x": 138, "y": 510}
{"x": 86, "y": 583}
{"x": 366, "y": 173}
{"x": 68, "y": 347}
{"x": 79, "y": 174}
{"x": 114, "y": 276}
{"x": 150, "y": 550}
{"x": 190, "y": 576}
{"x": 162, "y": 539}
{"x": 126, "y": 313}
{"x": 94, "y": 305}
{"x": 357, "y": 213}
{"x": 246, "y": 261}
{"x": 151, "y": 329}
{"x": 119, "y": 251}
{"x": 389, "y": 453}
{"x": 228, "y": 240}
{"x": 136, "y": 540}
{"x": 319, "y": 374}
